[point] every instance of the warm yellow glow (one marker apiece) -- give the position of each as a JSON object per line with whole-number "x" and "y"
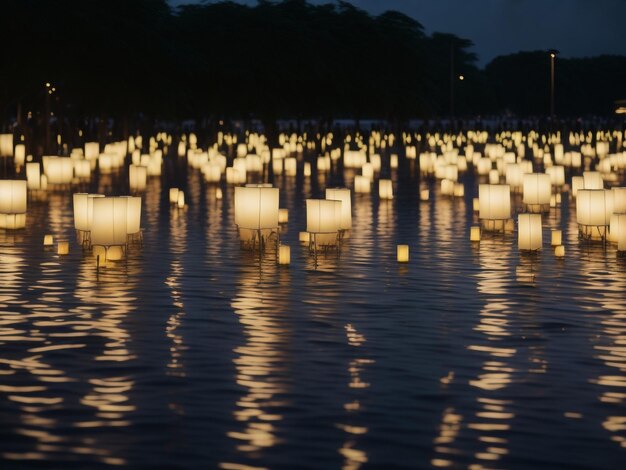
{"x": 402, "y": 252}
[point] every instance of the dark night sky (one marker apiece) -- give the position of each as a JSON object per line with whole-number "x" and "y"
{"x": 577, "y": 28}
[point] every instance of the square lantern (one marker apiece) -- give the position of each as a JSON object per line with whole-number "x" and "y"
{"x": 6, "y": 145}
{"x": 256, "y": 208}
{"x": 137, "y": 177}
{"x": 494, "y": 201}
{"x": 110, "y": 221}
{"x": 619, "y": 200}
{"x": 58, "y": 170}
{"x": 578, "y": 182}
{"x": 537, "y": 191}
{"x": 323, "y": 215}
{"x": 529, "y": 236}
{"x": 83, "y": 210}
{"x": 593, "y": 212}
{"x": 593, "y": 180}
{"x": 33, "y": 176}
{"x": 402, "y": 253}
{"x": 385, "y": 189}
{"x": 362, "y": 184}
{"x": 343, "y": 195}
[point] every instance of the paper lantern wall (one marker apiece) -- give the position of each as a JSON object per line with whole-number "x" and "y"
{"x": 343, "y": 195}
{"x": 529, "y": 235}
{"x": 256, "y": 208}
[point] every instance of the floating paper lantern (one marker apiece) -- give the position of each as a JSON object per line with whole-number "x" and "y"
{"x": 385, "y": 189}
{"x": 323, "y": 215}
{"x": 494, "y": 177}
{"x": 13, "y": 195}
{"x": 514, "y": 176}
{"x": 83, "y": 210}
{"x": 218, "y": 193}
{"x": 593, "y": 180}
{"x": 578, "y": 182}
{"x": 593, "y": 212}
{"x": 82, "y": 169}
{"x": 343, "y": 195}
{"x": 307, "y": 169}
{"x": 476, "y": 204}
{"x": 48, "y": 240}
{"x": 495, "y": 201}
{"x": 174, "y": 195}
{"x": 137, "y": 177}
{"x": 559, "y": 251}
{"x": 290, "y": 166}
{"x": 181, "y": 200}
{"x": 256, "y": 208}
{"x": 557, "y": 175}
{"x": 529, "y": 232}
{"x": 447, "y": 187}
{"x": 475, "y": 233}
{"x": 304, "y": 237}
{"x": 63, "y": 248}
{"x": 92, "y": 150}
{"x": 459, "y": 190}
{"x": 556, "y": 237}
{"x": 284, "y": 254}
{"x": 212, "y": 173}
{"x": 110, "y": 221}
{"x": 133, "y": 215}
{"x": 619, "y": 200}
{"x": 393, "y": 161}
{"x": 402, "y": 253}
{"x": 283, "y": 216}
{"x": 20, "y": 154}
{"x": 33, "y": 176}
{"x": 362, "y": 184}
{"x": 613, "y": 235}
{"x": 6, "y": 145}
{"x": 424, "y": 195}
{"x": 58, "y": 170}
{"x": 537, "y": 191}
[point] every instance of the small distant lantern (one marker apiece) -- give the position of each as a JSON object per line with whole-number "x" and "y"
{"x": 556, "y": 237}
{"x": 174, "y": 195}
{"x": 137, "y": 177}
{"x": 283, "y": 216}
{"x": 424, "y": 195}
{"x": 48, "y": 240}
{"x": 385, "y": 189}
{"x": 284, "y": 254}
{"x": 181, "y": 200}
{"x": 402, "y": 253}
{"x": 362, "y": 184}
{"x": 63, "y": 248}
{"x": 475, "y": 233}
{"x": 559, "y": 251}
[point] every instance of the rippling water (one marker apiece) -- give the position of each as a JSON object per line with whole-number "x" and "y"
{"x": 195, "y": 353}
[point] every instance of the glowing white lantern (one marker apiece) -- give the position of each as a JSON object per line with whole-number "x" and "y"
{"x": 619, "y": 200}
{"x": 323, "y": 215}
{"x": 137, "y": 176}
{"x": 256, "y": 208}
{"x": 529, "y": 232}
{"x": 402, "y": 253}
{"x": 133, "y": 215}
{"x": 368, "y": 171}
{"x": 424, "y": 195}
{"x": 557, "y": 175}
{"x": 559, "y": 251}
{"x": 6, "y": 145}
{"x": 174, "y": 195}
{"x": 20, "y": 154}
{"x": 180, "y": 202}
{"x": 362, "y": 184}
{"x": 283, "y": 216}
{"x": 537, "y": 191}
{"x": 82, "y": 169}
{"x": 48, "y": 240}
{"x": 92, "y": 150}
{"x": 290, "y": 166}
{"x": 483, "y": 166}
{"x": 385, "y": 189}
{"x": 495, "y": 201}
{"x": 277, "y": 166}
{"x": 593, "y": 212}
{"x": 212, "y": 173}
{"x": 578, "y": 182}
{"x": 58, "y": 170}
{"x": 33, "y": 176}
{"x": 593, "y": 180}
{"x": 447, "y": 188}
{"x": 304, "y": 237}
{"x": 110, "y": 221}
{"x": 63, "y": 248}
{"x": 514, "y": 176}
{"x": 393, "y": 161}
{"x": 307, "y": 169}
{"x": 475, "y": 233}
{"x": 284, "y": 254}
{"x": 556, "y": 237}
{"x": 343, "y": 195}
{"x": 83, "y": 210}
{"x": 13, "y": 204}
